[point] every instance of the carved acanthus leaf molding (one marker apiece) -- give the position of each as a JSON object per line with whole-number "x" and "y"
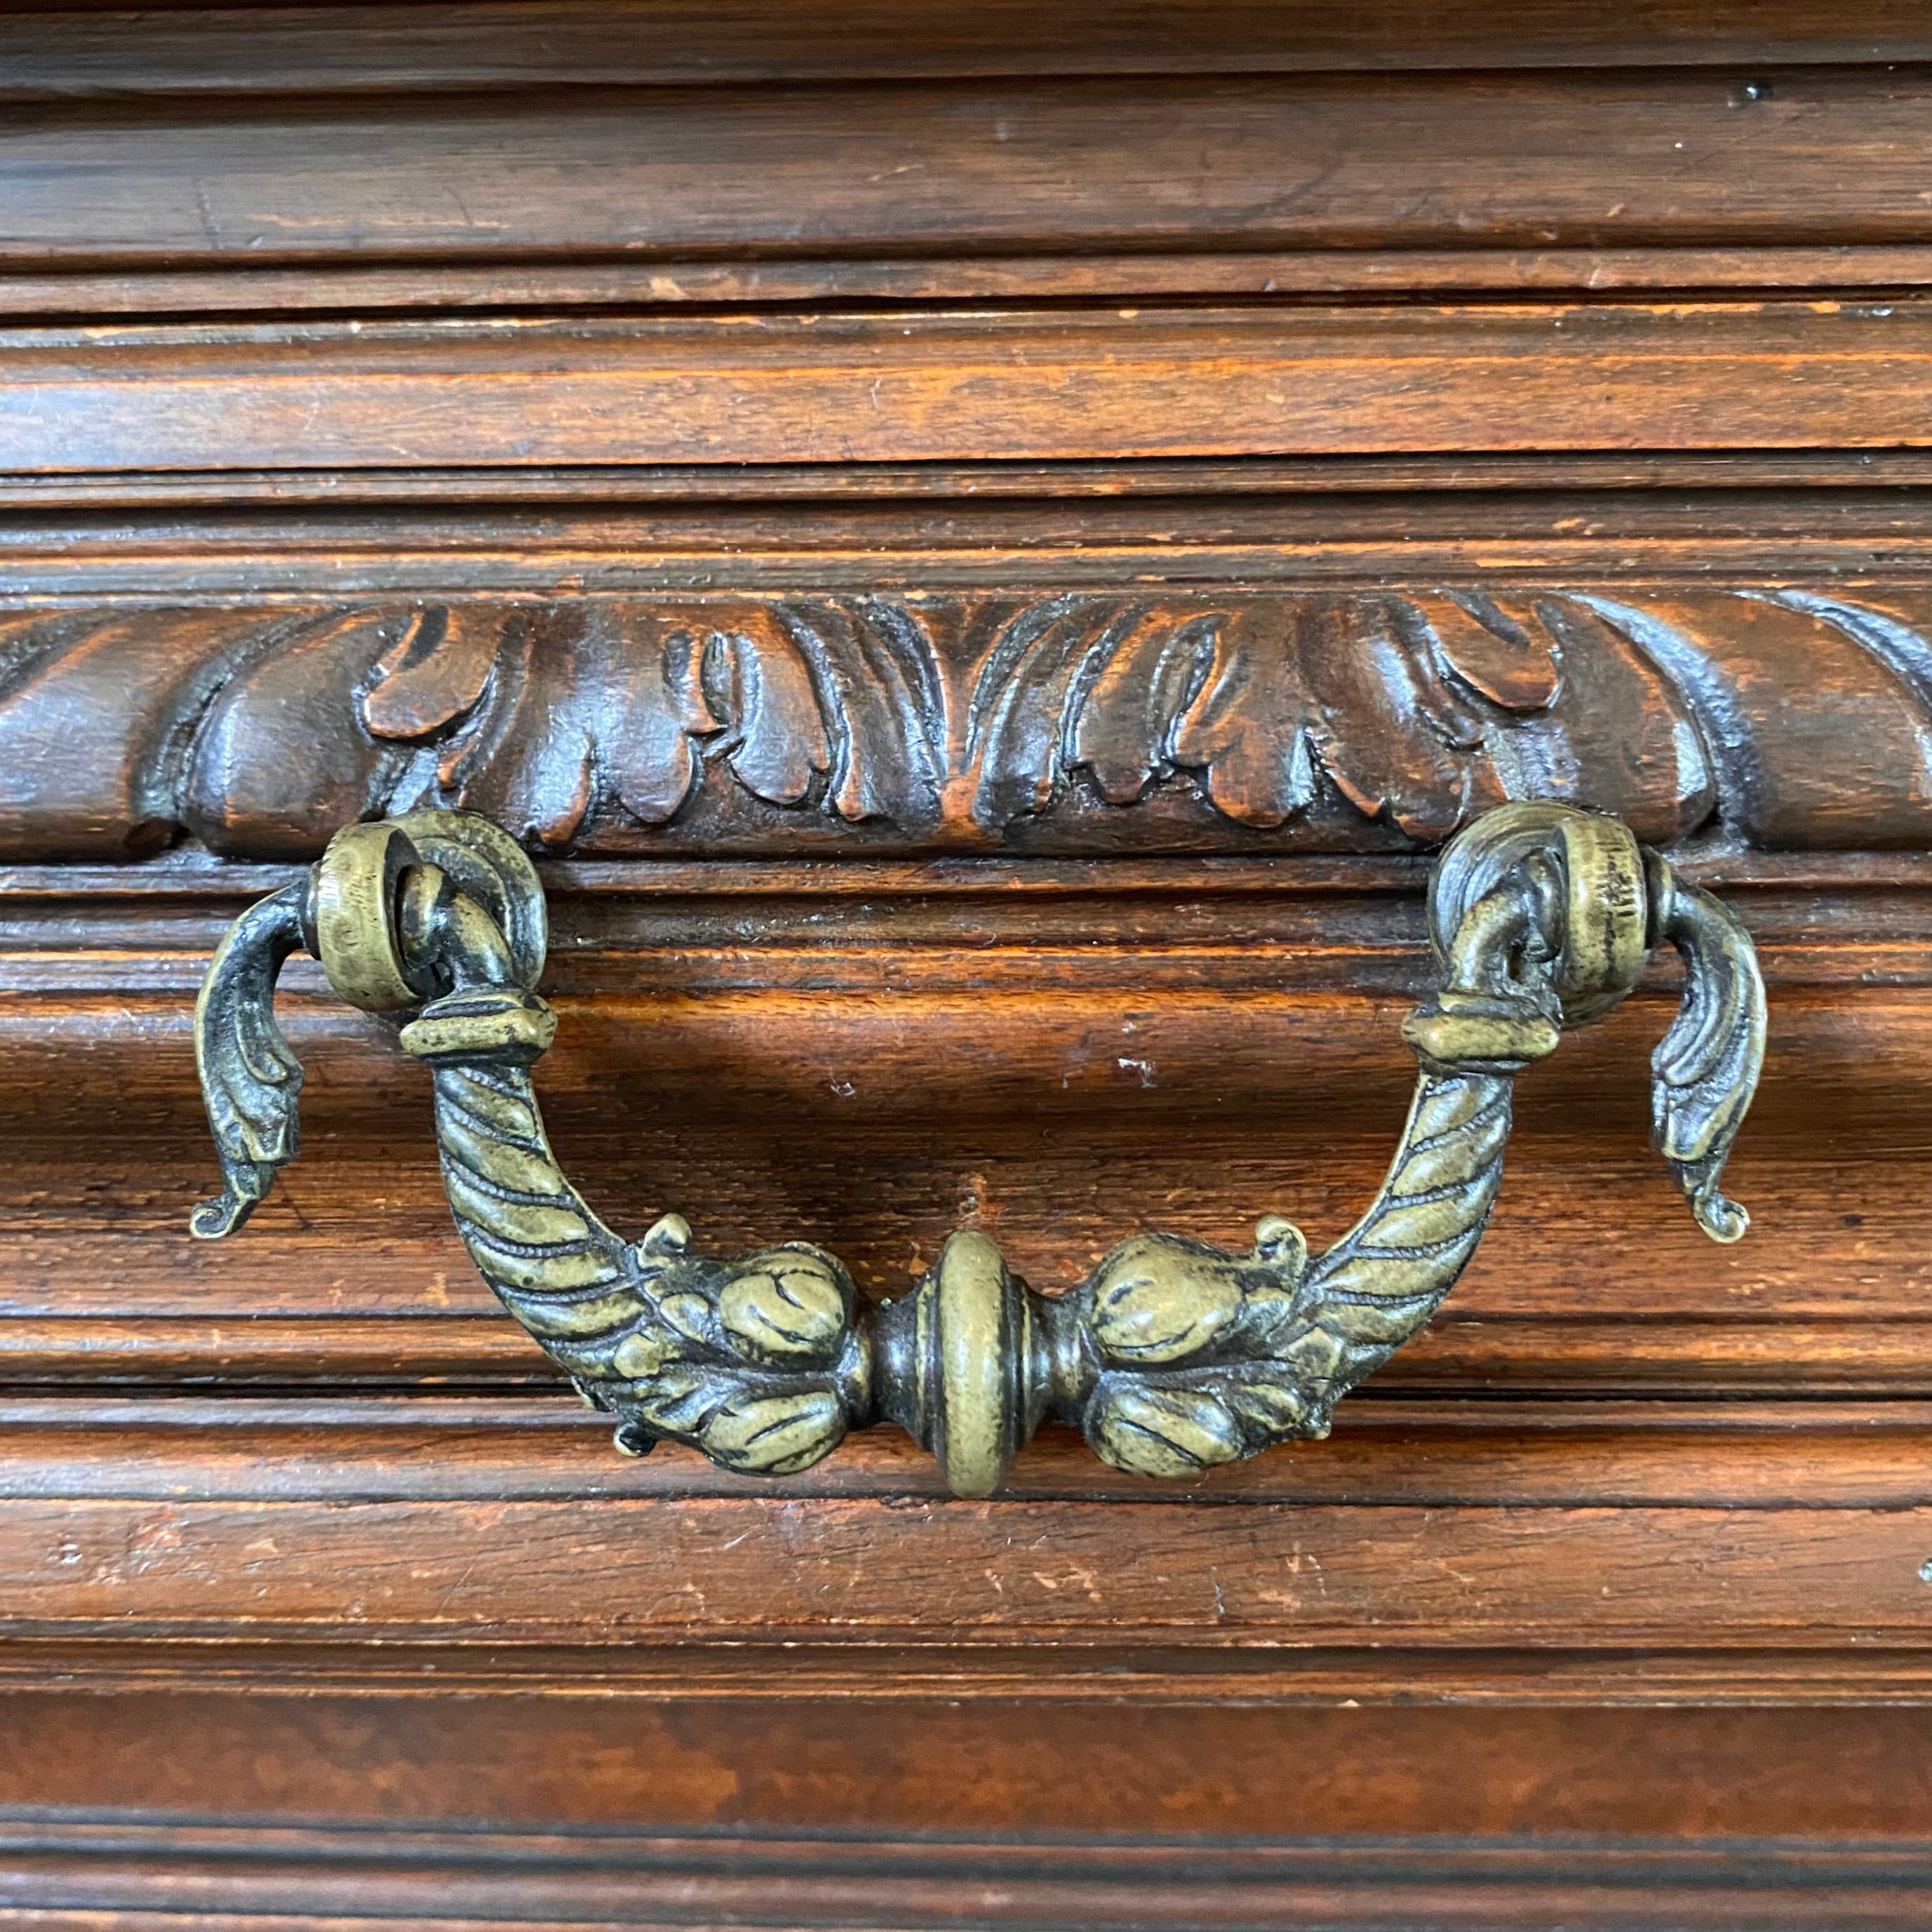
{"x": 1372, "y": 720}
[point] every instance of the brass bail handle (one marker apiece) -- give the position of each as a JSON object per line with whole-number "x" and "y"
{"x": 1174, "y": 1355}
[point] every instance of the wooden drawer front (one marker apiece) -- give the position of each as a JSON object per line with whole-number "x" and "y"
{"x": 983, "y": 559}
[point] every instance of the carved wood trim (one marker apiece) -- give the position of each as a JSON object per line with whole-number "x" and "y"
{"x": 740, "y": 724}
{"x": 312, "y": 1878}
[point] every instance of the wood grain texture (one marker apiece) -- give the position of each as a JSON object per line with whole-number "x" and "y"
{"x": 1821, "y": 156}
{"x": 995, "y": 385}
{"x": 1010, "y": 1571}
{"x": 1029, "y": 1680}
{"x": 1832, "y": 522}
{"x": 513, "y": 45}
{"x": 1771, "y": 496}
{"x": 1336, "y": 722}
{"x": 140, "y": 1873}
{"x": 1386, "y": 1450}
{"x": 1830, "y": 1777}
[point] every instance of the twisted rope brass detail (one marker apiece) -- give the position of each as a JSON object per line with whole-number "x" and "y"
{"x": 1174, "y": 1355}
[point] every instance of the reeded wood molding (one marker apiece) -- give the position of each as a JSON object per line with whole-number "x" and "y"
{"x": 1331, "y": 721}
{"x": 100, "y": 1866}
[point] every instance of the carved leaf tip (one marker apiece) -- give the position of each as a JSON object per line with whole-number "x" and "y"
{"x": 757, "y": 681}
{"x": 1506, "y": 656}
{"x": 436, "y": 673}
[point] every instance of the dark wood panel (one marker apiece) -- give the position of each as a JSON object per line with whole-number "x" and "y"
{"x": 1339, "y": 722}
{"x": 925, "y": 1765}
{"x": 1822, "y": 156}
{"x": 94, "y": 48}
{"x": 1011, "y": 385}
{"x": 1321, "y": 162}
{"x": 138, "y": 1874}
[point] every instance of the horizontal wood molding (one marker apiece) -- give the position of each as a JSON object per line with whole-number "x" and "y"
{"x": 1772, "y": 494}
{"x": 1062, "y": 1051}
{"x": 514, "y": 45}
{"x": 1181, "y": 721}
{"x": 1344, "y": 932}
{"x": 920, "y": 531}
{"x": 63, "y": 1870}
{"x": 1831, "y": 1774}
{"x": 1019, "y": 1679}
{"x": 1822, "y": 156}
{"x": 1834, "y": 1777}
{"x": 208, "y": 162}
{"x": 1867, "y": 270}
{"x": 1011, "y": 1572}
{"x": 918, "y": 386}
{"x": 1483, "y": 1353}
{"x": 1387, "y": 1450}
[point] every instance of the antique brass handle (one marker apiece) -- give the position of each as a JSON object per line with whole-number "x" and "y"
{"x": 1173, "y": 1355}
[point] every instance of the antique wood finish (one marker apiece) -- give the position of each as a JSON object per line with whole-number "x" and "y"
{"x": 1055, "y": 723}
{"x": 182, "y": 47}
{"x": 1008, "y": 385}
{"x": 983, "y": 552}
{"x": 1022, "y": 165}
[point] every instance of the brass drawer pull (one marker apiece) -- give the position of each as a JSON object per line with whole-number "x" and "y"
{"x": 1172, "y": 1356}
